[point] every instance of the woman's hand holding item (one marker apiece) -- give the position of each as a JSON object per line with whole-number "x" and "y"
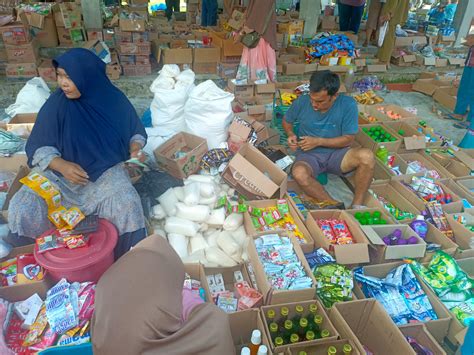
{"x": 71, "y": 171}
{"x": 136, "y": 152}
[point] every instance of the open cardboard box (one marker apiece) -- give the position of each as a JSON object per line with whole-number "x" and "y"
{"x": 365, "y": 141}
{"x": 455, "y": 167}
{"x": 412, "y": 139}
{"x": 423, "y": 337}
{"x": 22, "y": 121}
{"x": 435, "y": 236}
{"x": 181, "y": 168}
{"x": 21, "y": 292}
{"x": 438, "y": 327}
{"x": 292, "y": 313}
{"x": 462, "y": 235}
{"x": 196, "y": 272}
{"x": 386, "y": 191}
{"x": 307, "y": 247}
{"x": 322, "y": 349}
{"x": 274, "y": 296}
{"x": 429, "y": 164}
{"x": 345, "y": 254}
{"x": 374, "y": 110}
{"x": 228, "y": 276}
{"x": 429, "y": 86}
{"x": 367, "y": 324}
{"x": 21, "y": 171}
{"x": 241, "y": 90}
{"x": 383, "y": 213}
{"x": 383, "y": 252}
{"x": 255, "y": 176}
{"x": 467, "y": 185}
{"x": 241, "y": 326}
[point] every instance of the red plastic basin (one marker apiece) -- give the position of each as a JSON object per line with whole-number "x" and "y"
{"x": 82, "y": 264}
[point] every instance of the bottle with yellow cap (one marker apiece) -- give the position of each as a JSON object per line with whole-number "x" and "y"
{"x": 294, "y": 338}
{"x": 299, "y": 310}
{"x": 283, "y": 316}
{"x": 288, "y": 329}
{"x": 279, "y": 341}
{"x": 313, "y": 311}
{"x": 325, "y": 333}
{"x": 302, "y": 352}
{"x": 302, "y": 327}
{"x": 347, "y": 349}
{"x": 316, "y": 324}
{"x": 271, "y": 314}
{"x": 310, "y": 335}
{"x": 332, "y": 350}
{"x": 273, "y": 330}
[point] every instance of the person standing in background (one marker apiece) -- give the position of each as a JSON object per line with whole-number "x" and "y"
{"x": 171, "y": 6}
{"x": 209, "y": 13}
{"x": 259, "y": 63}
{"x": 350, "y": 14}
{"x": 395, "y": 12}
{"x": 372, "y": 25}
{"x": 450, "y": 11}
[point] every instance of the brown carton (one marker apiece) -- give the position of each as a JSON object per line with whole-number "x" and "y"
{"x": 241, "y": 326}
{"x": 143, "y": 48}
{"x": 246, "y": 90}
{"x": 17, "y": 164}
{"x": 206, "y": 55}
{"x": 205, "y": 68}
{"x": 227, "y": 45}
{"x": 21, "y": 70}
{"x": 177, "y": 56}
{"x": 345, "y": 254}
{"x": 367, "y": 323}
{"x": 23, "y": 53}
{"x": 195, "y": 148}
{"x": 292, "y": 313}
{"x": 196, "y": 272}
{"x": 446, "y": 96}
{"x": 322, "y": 348}
{"x": 23, "y": 121}
{"x": 307, "y": 246}
{"x": 412, "y": 139}
{"x": 438, "y": 327}
{"x": 133, "y": 25}
{"x": 408, "y": 41}
{"x": 274, "y": 296}
{"x": 375, "y": 111}
{"x": 420, "y": 333}
{"x": 255, "y": 176}
{"x": 15, "y": 33}
{"x": 429, "y": 86}
{"x": 429, "y": 164}
{"x": 435, "y": 236}
{"x": 364, "y": 140}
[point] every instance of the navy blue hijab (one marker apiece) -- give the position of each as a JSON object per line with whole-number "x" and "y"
{"x": 93, "y": 131}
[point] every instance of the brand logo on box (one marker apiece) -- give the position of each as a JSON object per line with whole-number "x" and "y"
{"x": 246, "y": 183}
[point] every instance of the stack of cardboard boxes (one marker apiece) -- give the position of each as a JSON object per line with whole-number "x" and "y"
{"x": 193, "y": 11}
{"x": 254, "y": 100}
{"x": 42, "y": 23}
{"x": 69, "y": 23}
{"x": 134, "y": 47}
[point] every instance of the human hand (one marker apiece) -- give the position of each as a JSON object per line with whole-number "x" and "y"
{"x": 72, "y": 172}
{"x": 293, "y": 142}
{"x": 383, "y": 19}
{"x": 138, "y": 154}
{"x": 308, "y": 143}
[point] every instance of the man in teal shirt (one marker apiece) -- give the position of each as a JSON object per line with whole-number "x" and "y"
{"x": 328, "y": 123}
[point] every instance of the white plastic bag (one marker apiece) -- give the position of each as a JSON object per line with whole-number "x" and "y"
{"x": 233, "y": 221}
{"x": 181, "y": 226}
{"x": 207, "y": 190}
{"x": 217, "y": 217}
{"x": 158, "y": 212}
{"x": 199, "y": 178}
{"x": 192, "y": 194}
{"x": 198, "y": 243}
{"x": 382, "y": 32}
{"x": 179, "y": 192}
{"x": 170, "y": 71}
{"x": 197, "y": 213}
{"x": 168, "y": 201}
{"x": 179, "y": 243}
{"x": 186, "y": 77}
{"x": 217, "y": 256}
{"x": 208, "y": 113}
{"x": 30, "y": 98}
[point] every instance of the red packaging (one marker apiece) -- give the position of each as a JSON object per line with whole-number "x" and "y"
{"x": 15, "y": 335}
{"x": 28, "y": 269}
{"x": 341, "y": 230}
{"x": 249, "y": 299}
{"x": 325, "y": 226}
{"x": 47, "y": 339}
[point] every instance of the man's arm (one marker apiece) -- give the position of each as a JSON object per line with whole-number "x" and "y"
{"x": 308, "y": 143}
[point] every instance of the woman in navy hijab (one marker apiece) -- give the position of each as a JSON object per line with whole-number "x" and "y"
{"x": 84, "y": 133}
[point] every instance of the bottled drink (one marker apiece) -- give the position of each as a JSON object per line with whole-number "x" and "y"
{"x": 302, "y": 327}
{"x": 255, "y": 341}
{"x": 273, "y": 330}
{"x": 271, "y": 315}
{"x": 262, "y": 350}
{"x": 279, "y": 341}
{"x": 245, "y": 351}
{"x": 347, "y": 349}
{"x": 382, "y": 154}
{"x": 317, "y": 323}
{"x": 332, "y": 350}
{"x": 299, "y": 310}
{"x": 310, "y": 335}
{"x": 288, "y": 329}
{"x": 313, "y": 308}
{"x": 302, "y": 352}
{"x": 325, "y": 333}
{"x": 294, "y": 338}
{"x": 283, "y": 315}
{"x": 349, "y": 79}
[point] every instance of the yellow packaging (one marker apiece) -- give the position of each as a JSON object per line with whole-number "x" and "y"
{"x": 55, "y": 217}
{"x": 72, "y": 217}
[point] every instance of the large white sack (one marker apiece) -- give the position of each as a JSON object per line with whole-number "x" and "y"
{"x": 186, "y": 77}
{"x": 30, "y": 98}
{"x": 179, "y": 243}
{"x": 170, "y": 71}
{"x": 197, "y": 213}
{"x": 168, "y": 201}
{"x": 154, "y": 140}
{"x": 175, "y": 225}
{"x": 208, "y": 113}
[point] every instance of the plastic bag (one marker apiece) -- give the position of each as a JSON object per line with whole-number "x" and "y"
{"x": 181, "y": 226}
{"x": 158, "y": 212}
{"x": 30, "y": 98}
{"x": 217, "y": 217}
{"x": 154, "y": 140}
{"x": 170, "y": 71}
{"x": 179, "y": 243}
{"x": 208, "y": 113}
{"x": 233, "y": 221}
{"x": 197, "y": 213}
{"x": 186, "y": 77}
{"x": 168, "y": 201}
{"x": 382, "y": 32}
{"x": 191, "y": 194}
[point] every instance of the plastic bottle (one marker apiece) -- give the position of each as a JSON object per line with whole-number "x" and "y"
{"x": 302, "y": 327}
{"x": 299, "y": 310}
{"x": 279, "y": 341}
{"x": 420, "y": 226}
{"x": 273, "y": 330}
{"x": 332, "y": 350}
{"x": 283, "y": 316}
{"x": 287, "y": 330}
{"x": 271, "y": 315}
{"x": 347, "y": 349}
{"x": 255, "y": 342}
{"x": 382, "y": 154}
{"x": 245, "y": 351}
{"x": 262, "y": 350}
{"x": 325, "y": 333}
{"x": 349, "y": 79}
{"x": 294, "y": 338}
{"x": 310, "y": 335}
{"x": 315, "y": 326}
{"x": 313, "y": 309}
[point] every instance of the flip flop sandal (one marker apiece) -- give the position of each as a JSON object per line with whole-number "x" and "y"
{"x": 461, "y": 125}
{"x": 453, "y": 118}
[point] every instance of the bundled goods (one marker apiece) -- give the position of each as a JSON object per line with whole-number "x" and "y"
{"x": 400, "y": 294}
{"x": 242, "y": 297}
{"x": 283, "y": 269}
{"x": 305, "y": 325}
{"x": 62, "y": 319}
{"x": 367, "y": 218}
{"x": 336, "y": 231}
{"x": 368, "y": 98}
{"x": 450, "y": 283}
{"x": 368, "y": 83}
{"x": 428, "y": 190}
{"x": 198, "y": 231}
{"x": 318, "y": 257}
{"x": 415, "y": 167}
{"x": 396, "y": 238}
{"x": 396, "y": 212}
{"x": 334, "y": 283}
{"x": 379, "y": 134}
{"x": 391, "y": 114}
{"x": 434, "y": 213}
{"x": 326, "y": 43}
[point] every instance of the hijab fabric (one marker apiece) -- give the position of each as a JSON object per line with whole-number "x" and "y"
{"x": 93, "y": 131}
{"x": 257, "y": 12}
{"x": 139, "y": 306}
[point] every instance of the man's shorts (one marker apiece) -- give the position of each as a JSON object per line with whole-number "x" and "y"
{"x": 323, "y": 162}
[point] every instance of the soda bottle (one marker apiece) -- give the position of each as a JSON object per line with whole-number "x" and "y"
{"x": 271, "y": 315}
{"x": 283, "y": 316}
{"x": 273, "y": 330}
{"x": 245, "y": 351}
{"x": 279, "y": 341}
{"x": 255, "y": 341}
{"x": 332, "y": 350}
{"x": 382, "y": 154}
{"x": 287, "y": 330}
{"x": 294, "y": 338}
{"x": 347, "y": 349}
{"x": 313, "y": 309}
{"x": 262, "y": 350}
{"x": 325, "y": 333}
{"x": 299, "y": 310}
{"x": 310, "y": 335}
{"x": 315, "y": 326}
{"x": 302, "y": 327}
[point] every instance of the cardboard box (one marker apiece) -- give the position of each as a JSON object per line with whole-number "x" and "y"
{"x": 18, "y": 164}
{"x": 462, "y": 235}
{"x": 429, "y": 86}
{"x": 23, "y": 122}
{"x": 292, "y": 313}
{"x": 376, "y": 68}
{"x": 21, "y": 70}
{"x": 368, "y": 323}
{"x": 227, "y": 70}
{"x": 344, "y": 254}
{"x": 271, "y": 295}
{"x": 383, "y": 252}
{"x": 408, "y": 41}
{"x": 46, "y": 35}
{"x": 307, "y": 247}
{"x": 364, "y": 140}
{"x": 136, "y": 70}
{"x": 423, "y": 337}
{"x": 329, "y": 23}
{"x": 441, "y": 62}
{"x": 227, "y": 45}
{"x": 412, "y": 138}
{"x": 13, "y": 163}
{"x": 238, "y": 90}
{"x": 322, "y": 348}
{"x": 429, "y": 164}
{"x": 113, "y": 71}
{"x": 143, "y": 48}
{"x": 265, "y": 88}
{"x": 439, "y": 327}
{"x": 177, "y": 56}
{"x": 294, "y": 68}
{"x": 70, "y": 36}
{"x": 16, "y": 33}
{"x": 18, "y": 293}
{"x": 205, "y": 68}
{"x": 133, "y": 25}
{"x": 69, "y": 15}
{"x": 461, "y": 62}
{"x": 255, "y": 176}
{"x": 446, "y": 97}
{"x": 375, "y": 111}
{"x": 241, "y": 326}
{"x": 23, "y": 53}
{"x": 435, "y": 236}
{"x": 183, "y": 167}
{"x": 47, "y": 71}
{"x": 467, "y": 185}
{"x": 402, "y": 60}
{"x": 206, "y": 55}
{"x": 239, "y": 133}
{"x": 196, "y": 272}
